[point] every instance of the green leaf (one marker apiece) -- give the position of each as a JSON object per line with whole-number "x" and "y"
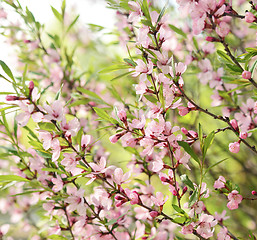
{"x": 161, "y": 14}
{"x": 130, "y": 62}
{"x": 57, "y": 14}
{"x": 102, "y": 114}
{"x": 7, "y": 70}
{"x": 93, "y": 95}
{"x": 193, "y": 198}
{"x": 113, "y": 68}
{"x": 200, "y": 135}
{"x": 145, "y": 10}
{"x": 180, "y": 220}
{"x": 207, "y": 143}
{"x": 178, "y": 209}
{"x": 9, "y": 178}
{"x": 26, "y": 192}
{"x": 72, "y": 24}
{"x": 224, "y": 56}
{"x": 189, "y": 150}
{"x": 215, "y": 164}
{"x": 52, "y": 170}
{"x": 47, "y": 126}
{"x": 30, "y": 17}
{"x": 113, "y": 221}
{"x": 253, "y": 67}
{"x": 115, "y": 93}
{"x": 184, "y": 178}
{"x": 80, "y": 102}
{"x": 57, "y": 237}
{"x": 151, "y": 98}
{"x": 177, "y": 30}
{"x": 121, "y": 76}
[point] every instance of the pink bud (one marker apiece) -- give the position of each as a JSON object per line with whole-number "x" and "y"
{"x": 234, "y": 124}
{"x": 163, "y": 179}
{"x": 243, "y": 135}
{"x": 211, "y": 39}
{"x": 184, "y": 189}
{"x": 183, "y": 111}
{"x": 11, "y": 98}
{"x": 118, "y": 197}
{"x": 234, "y": 147}
{"x": 119, "y": 203}
{"x": 122, "y": 115}
{"x": 191, "y": 105}
{"x": 114, "y": 138}
{"x": 254, "y": 193}
{"x": 174, "y": 192}
{"x": 183, "y": 130}
{"x": 249, "y": 17}
{"x": 154, "y": 214}
{"x": 246, "y": 75}
{"x": 31, "y": 85}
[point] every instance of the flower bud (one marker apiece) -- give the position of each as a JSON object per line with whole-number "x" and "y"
{"x": 254, "y": 193}
{"x": 122, "y": 116}
{"x": 246, "y": 75}
{"x": 243, "y": 135}
{"x": 31, "y": 85}
{"x": 183, "y": 130}
{"x": 183, "y": 111}
{"x": 184, "y": 190}
{"x": 154, "y": 214}
{"x": 211, "y": 39}
{"x": 234, "y": 124}
{"x": 234, "y": 147}
{"x": 11, "y": 98}
{"x": 249, "y": 17}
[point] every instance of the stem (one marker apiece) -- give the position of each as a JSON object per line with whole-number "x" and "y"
{"x": 69, "y": 226}
{"x": 221, "y": 118}
{"x": 174, "y": 173}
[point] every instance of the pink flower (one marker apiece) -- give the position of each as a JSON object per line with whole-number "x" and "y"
{"x": 246, "y": 75}
{"x": 71, "y": 128}
{"x": 56, "y": 149}
{"x": 187, "y": 229}
{"x": 249, "y": 17}
{"x": 206, "y": 222}
{"x": 55, "y": 111}
{"x": 223, "y": 29}
{"x": 133, "y": 196}
{"x": 223, "y": 234}
{"x": 221, "y": 217}
{"x": 69, "y": 161}
{"x": 58, "y": 184}
{"x": 255, "y": 107}
{"x": 220, "y": 183}
{"x": 136, "y": 11}
{"x": 119, "y": 177}
{"x": 234, "y": 147}
{"x": 180, "y": 68}
{"x": 76, "y": 201}
{"x": 85, "y": 141}
{"x": 234, "y": 199}
{"x": 159, "y": 200}
{"x": 142, "y": 67}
